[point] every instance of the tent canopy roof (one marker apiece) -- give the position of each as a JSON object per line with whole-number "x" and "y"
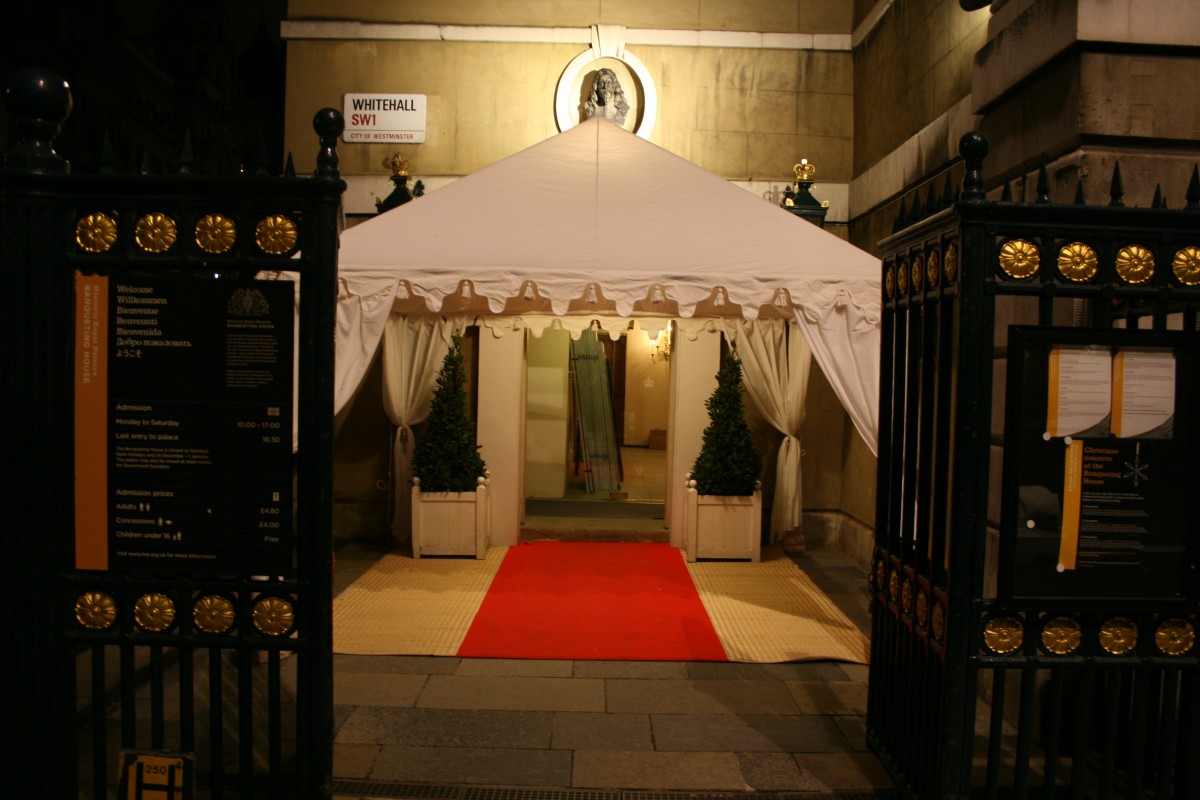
{"x": 597, "y": 218}
{"x": 599, "y": 221}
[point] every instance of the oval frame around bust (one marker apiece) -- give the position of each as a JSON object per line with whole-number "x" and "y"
{"x": 567, "y": 94}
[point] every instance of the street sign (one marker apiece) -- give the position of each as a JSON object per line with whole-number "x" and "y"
{"x": 394, "y": 118}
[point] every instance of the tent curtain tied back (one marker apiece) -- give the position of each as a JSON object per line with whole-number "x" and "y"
{"x": 776, "y": 362}
{"x": 413, "y": 350}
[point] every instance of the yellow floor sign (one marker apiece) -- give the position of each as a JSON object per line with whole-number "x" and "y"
{"x": 155, "y": 776}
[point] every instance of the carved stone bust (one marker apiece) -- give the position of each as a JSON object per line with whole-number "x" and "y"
{"x": 607, "y": 98}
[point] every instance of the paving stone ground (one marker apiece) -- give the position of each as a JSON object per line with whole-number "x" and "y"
{"x": 795, "y": 727}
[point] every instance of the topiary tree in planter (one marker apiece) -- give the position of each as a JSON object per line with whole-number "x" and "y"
{"x": 723, "y": 503}
{"x": 446, "y": 458}
{"x": 451, "y": 507}
{"x": 728, "y": 464}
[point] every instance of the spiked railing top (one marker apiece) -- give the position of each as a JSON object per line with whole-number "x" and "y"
{"x": 973, "y": 147}
{"x": 1117, "y": 188}
{"x": 1043, "y": 183}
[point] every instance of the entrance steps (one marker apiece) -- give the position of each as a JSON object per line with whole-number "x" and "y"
{"x": 537, "y": 534}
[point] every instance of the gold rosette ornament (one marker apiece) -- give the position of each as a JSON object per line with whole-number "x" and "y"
{"x": 275, "y": 234}
{"x": 931, "y": 269}
{"x": 906, "y": 596}
{"x": 950, "y": 264}
{"x": 1187, "y": 266}
{"x": 937, "y": 623}
{"x": 273, "y": 616}
{"x": 213, "y": 614}
{"x": 1003, "y": 635}
{"x": 1019, "y": 258}
{"x": 96, "y": 233}
{"x": 889, "y": 282}
{"x": 96, "y": 611}
{"x": 894, "y": 586}
{"x": 902, "y": 278}
{"x": 1118, "y": 636}
{"x": 154, "y": 612}
{"x": 1135, "y": 264}
{"x": 1175, "y": 636}
{"x": 922, "y": 608}
{"x": 918, "y": 273}
{"x": 1077, "y": 262}
{"x": 155, "y": 233}
{"x": 880, "y": 576}
{"x": 1061, "y": 636}
{"x": 215, "y": 233}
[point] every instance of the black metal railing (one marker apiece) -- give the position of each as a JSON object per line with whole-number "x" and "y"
{"x": 228, "y": 668}
{"x": 972, "y": 691}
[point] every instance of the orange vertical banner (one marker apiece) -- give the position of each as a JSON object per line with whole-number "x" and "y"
{"x": 1118, "y": 393}
{"x": 1052, "y": 393}
{"x": 91, "y": 422}
{"x": 1068, "y": 546}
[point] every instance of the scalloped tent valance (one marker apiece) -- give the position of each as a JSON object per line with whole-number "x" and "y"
{"x": 597, "y": 221}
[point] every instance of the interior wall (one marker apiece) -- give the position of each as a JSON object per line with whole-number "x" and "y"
{"x": 547, "y": 413}
{"x": 501, "y": 428}
{"x": 647, "y": 388}
{"x": 693, "y": 379}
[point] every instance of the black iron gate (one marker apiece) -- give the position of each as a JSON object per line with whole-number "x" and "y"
{"x": 169, "y": 542}
{"x": 1034, "y": 628}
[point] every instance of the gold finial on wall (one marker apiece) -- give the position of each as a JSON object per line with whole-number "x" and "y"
{"x": 397, "y": 163}
{"x": 804, "y": 170}
{"x": 798, "y": 199}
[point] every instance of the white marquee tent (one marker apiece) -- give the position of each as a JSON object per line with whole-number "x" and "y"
{"x": 597, "y": 213}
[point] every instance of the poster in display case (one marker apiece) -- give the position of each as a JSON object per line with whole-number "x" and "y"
{"x": 1099, "y": 463}
{"x": 184, "y": 424}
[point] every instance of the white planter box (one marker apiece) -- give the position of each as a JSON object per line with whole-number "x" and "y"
{"x": 722, "y": 526}
{"x": 451, "y": 523}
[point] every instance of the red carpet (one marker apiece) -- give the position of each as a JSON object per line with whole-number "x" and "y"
{"x": 593, "y": 601}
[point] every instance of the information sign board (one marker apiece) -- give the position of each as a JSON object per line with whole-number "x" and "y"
{"x": 183, "y": 424}
{"x": 1098, "y": 467}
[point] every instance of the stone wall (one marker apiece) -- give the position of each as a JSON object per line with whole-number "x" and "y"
{"x": 778, "y": 16}
{"x": 745, "y": 89}
{"x": 913, "y": 62}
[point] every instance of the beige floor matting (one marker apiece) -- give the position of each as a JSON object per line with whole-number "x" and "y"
{"x": 412, "y": 606}
{"x": 771, "y": 611}
{"x": 763, "y": 612}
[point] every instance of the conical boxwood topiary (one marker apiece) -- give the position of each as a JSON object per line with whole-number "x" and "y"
{"x": 728, "y": 464}
{"x": 446, "y": 457}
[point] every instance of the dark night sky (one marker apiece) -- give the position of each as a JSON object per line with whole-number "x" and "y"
{"x": 147, "y": 71}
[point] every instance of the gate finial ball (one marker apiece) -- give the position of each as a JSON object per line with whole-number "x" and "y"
{"x": 39, "y": 101}
{"x": 328, "y": 124}
{"x": 973, "y": 147}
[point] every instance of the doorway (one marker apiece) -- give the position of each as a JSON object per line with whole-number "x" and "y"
{"x": 595, "y": 435}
